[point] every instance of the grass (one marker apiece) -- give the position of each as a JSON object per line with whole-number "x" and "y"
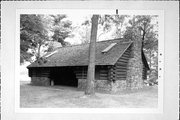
{"x": 69, "y": 97}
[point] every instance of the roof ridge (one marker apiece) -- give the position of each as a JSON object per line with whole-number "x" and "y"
{"x": 120, "y": 39}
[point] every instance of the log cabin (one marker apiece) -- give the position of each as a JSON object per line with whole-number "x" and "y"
{"x": 119, "y": 65}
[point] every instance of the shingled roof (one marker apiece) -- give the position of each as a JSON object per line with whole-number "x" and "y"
{"x": 77, "y": 55}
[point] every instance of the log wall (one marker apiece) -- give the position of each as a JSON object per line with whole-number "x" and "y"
{"x": 39, "y": 72}
{"x": 101, "y": 72}
{"x": 39, "y": 76}
{"x": 120, "y": 68}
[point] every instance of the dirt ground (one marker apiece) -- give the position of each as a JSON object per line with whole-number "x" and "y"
{"x": 69, "y": 97}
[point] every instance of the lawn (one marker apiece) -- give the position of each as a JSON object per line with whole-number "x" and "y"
{"x": 69, "y": 97}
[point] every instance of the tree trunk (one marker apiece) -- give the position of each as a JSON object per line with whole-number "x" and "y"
{"x": 38, "y": 52}
{"x": 92, "y": 52}
{"x": 150, "y": 59}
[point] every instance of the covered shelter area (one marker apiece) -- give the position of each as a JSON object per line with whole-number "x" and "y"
{"x": 63, "y": 76}
{"x": 50, "y": 76}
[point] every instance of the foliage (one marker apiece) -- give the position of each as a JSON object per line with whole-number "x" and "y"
{"x": 106, "y": 24}
{"x": 37, "y": 32}
{"x": 61, "y": 29}
{"x": 143, "y": 26}
{"x": 118, "y": 21}
{"x": 33, "y": 35}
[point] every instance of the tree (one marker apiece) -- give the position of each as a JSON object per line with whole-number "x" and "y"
{"x": 92, "y": 52}
{"x": 33, "y": 35}
{"x": 142, "y": 24}
{"x": 84, "y": 31}
{"x": 61, "y": 28}
{"x": 106, "y": 24}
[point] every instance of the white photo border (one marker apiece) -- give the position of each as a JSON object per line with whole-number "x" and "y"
{"x": 169, "y": 109}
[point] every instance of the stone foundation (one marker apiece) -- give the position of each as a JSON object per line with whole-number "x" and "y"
{"x": 134, "y": 74}
{"x": 82, "y": 84}
{"x": 118, "y": 85}
{"x": 104, "y": 85}
{"x": 40, "y": 81}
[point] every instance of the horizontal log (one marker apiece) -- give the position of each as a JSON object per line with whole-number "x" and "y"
{"x": 128, "y": 50}
{"x": 121, "y": 74}
{"x": 123, "y": 58}
{"x": 78, "y": 77}
{"x": 126, "y": 55}
{"x": 78, "y": 73}
{"x": 105, "y": 78}
{"x": 121, "y": 79}
{"x": 123, "y": 63}
{"x": 119, "y": 66}
{"x": 120, "y": 70}
{"x": 103, "y": 74}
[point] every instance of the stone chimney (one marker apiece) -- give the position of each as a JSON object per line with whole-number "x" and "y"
{"x": 135, "y": 66}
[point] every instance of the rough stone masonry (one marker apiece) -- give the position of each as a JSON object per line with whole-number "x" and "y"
{"x": 135, "y": 66}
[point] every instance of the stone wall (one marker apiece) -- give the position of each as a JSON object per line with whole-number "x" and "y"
{"x": 41, "y": 81}
{"x": 81, "y": 84}
{"x": 118, "y": 85}
{"x": 104, "y": 85}
{"x": 135, "y": 66}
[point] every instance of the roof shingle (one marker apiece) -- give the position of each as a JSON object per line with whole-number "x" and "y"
{"x": 78, "y": 55}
